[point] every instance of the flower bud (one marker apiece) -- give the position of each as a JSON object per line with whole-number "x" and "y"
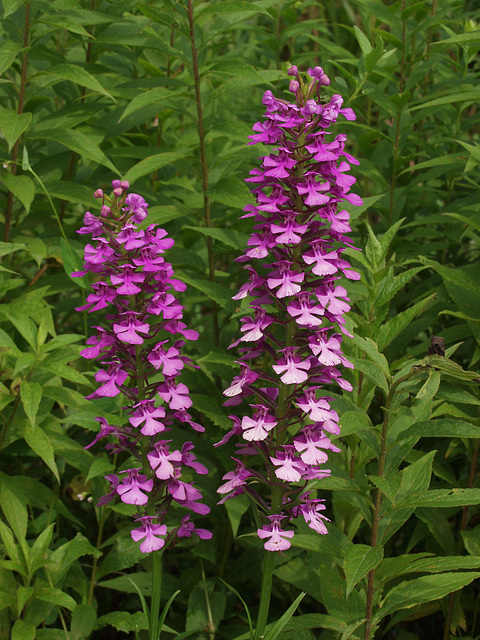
{"x": 294, "y": 86}
{"x": 116, "y": 184}
{"x": 125, "y": 185}
{"x": 315, "y": 72}
{"x": 118, "y": 191}
{"x": 293, "y": 71}
{"x": 105, "y": 211}
{"x": 98, "y": 194}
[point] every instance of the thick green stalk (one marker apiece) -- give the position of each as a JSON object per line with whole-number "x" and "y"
{"x": 156, "y": 591}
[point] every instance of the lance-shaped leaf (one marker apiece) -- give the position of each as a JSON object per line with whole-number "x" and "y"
{"x": 360, "y": 559}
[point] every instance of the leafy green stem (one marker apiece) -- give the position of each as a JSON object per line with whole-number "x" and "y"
{"x": 378, "y": 495}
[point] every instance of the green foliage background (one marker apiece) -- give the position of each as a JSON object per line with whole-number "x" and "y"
{"x": 93, "y": 90}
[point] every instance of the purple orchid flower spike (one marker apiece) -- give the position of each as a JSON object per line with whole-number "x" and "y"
{"x": 290, "y": 343}
{"x": 139, "y": 349}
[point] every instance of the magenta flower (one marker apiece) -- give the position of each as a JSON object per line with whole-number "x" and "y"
{"x": 292, "y": 340}
{"x": 139, "y": 349}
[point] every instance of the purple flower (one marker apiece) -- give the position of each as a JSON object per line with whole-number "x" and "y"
{"x": 292, "y": 341}
{"x": 141, "y": 359}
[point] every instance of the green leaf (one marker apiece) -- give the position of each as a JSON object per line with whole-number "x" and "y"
{"x": 391, "y": 285}
{"x": 245, "y": 606}
{"x": 62, "y": 558}
{"x": 411, "y": 593}
{"x": 368, "y": 346}
{"x": 472, "y": 37}
{"x": 76, "y": 74}
{"x": 83, "y": 621}
{"x": 124, "y": 621}
{"x": 152, "y": 163}
{"x": 363, "y": 41}
{"x": 361, "y": 559}
{"x": 442, "y": 428}
{"x": 230, "y": 237}
{"x": 443, "y": 498}
{"x": 471, "y": 540}
{"x": 372, "y": 371}
{"x": 466, "y": 96}
{"x": 415, "y": 479}
{"x": 10, "y": 6}
{"x": 62, "y": 21}
{"x": 72, "y": 192}
{"x": 7, "y": 600}
{"x": 55, "y": 596}
{"x": 72, "y": 263}
{"x": 31, "y": 394}
{"x": 275, "y": 629}
{"x": 393, "y": 327}
{"x": 23, "y": 630}
{"x": 81, "y": 144}
{"x": 14, "y": 507}
{"x": 13, "y": 125}
{"x": 8, "y": 52}
{"x": 146, "y": 98}
{"x": 100, "y": 467}
{"x": 38, "y": 440}
{"x": 450, "y": 368}
{"x": 40, "y": 547}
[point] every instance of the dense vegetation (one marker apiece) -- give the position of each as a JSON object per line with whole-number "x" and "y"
{"x": 164, "y": 94}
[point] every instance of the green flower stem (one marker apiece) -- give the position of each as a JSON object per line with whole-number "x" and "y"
{"x": 378, "y": 495}
{"x": 156, "y": 591}
{"x": 95, "y": 560}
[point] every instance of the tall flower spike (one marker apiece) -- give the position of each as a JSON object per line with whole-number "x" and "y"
{"x": 140, "y": 353}
{"x": 292, "y": 339}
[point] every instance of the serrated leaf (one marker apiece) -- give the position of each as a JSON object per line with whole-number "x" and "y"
{"x": 393, "y": 327}
{"x": 10, "y": 6}
{"x": 471, "y": 540}
{"x": 442, "y": 428}
{"x": 443, "y": 498}
{"x": 368, "y": 346}
{"x": 55, "y": 596}
{"x": 124, "y": 621}
{"x": 410, "y": 593}
{"x": 22, "y": 187}
{"x": 450, "y": 368}
{"x": 13, "y": 125}
{"x": 79, "y": 76}
{"x": 31, "y": 394}
{"x": 361, "y": 559}
{"x": 62, "y": 21}
{"x": 372, "y": 372}
{"x": 392, "y": 285}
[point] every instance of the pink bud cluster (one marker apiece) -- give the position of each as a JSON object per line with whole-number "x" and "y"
{"x": 140, "y": 350}
{"x": 291, "y": 342}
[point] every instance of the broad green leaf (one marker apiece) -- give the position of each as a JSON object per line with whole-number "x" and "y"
{"x": 235, "y": 510}
{"x": 391, "y": 285}
{"x": 40, "y": 547}
{"x": 368, "y": 346}
{"x": 415, "y": 479}
{"x": 55, "y": 596}
{"x": 151, "y": 164}
{"x": 361, "y": 559}
{"x": 10, "y": 247}
{"x": 443, "y": 498}
{"x": 353, "y": 422}
{"x": 23, "y": 596}
{"x": 393, "y": 327}
{"x": 230, "y": 237}
{"x": 442, "y": 428}
{"x": 388, "y": 485}
{"x": 450, "y": 368}
{"x": 81, "y": 144}
{"x": 72, "y": 192}
{"x": 410, "y": 593}
{"x": 8, "y": 52}
{"x": 13, "y": 125}
{"x": 64, "y": 556}
{"x": 83, "y": 621}
{"x": 23, "y": 630}
{"x": 372, "y": 371}
{"x": 391, "y": 568}
{"x": 10, "y": 6}
{"x": 14, "y": 507}
{"x": 471, "y": 540}
{"x": 38, "y": 440}
{"x": 7, "y": 600}
{"x": 79, "y": 76}
{"x": 124, "y": 621}
{"x": 231, "y": 192}
{"x": 72, "y": 263}
{"x": 22, "y": 187}
{"x": 31, "y": 394}
{"x": 212, "y": 410}
{"x": 11, "y": 548}
{"x": 62, "y": 21}
{"x": 100, "y": 467}
{"x": 153, "y": 96}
